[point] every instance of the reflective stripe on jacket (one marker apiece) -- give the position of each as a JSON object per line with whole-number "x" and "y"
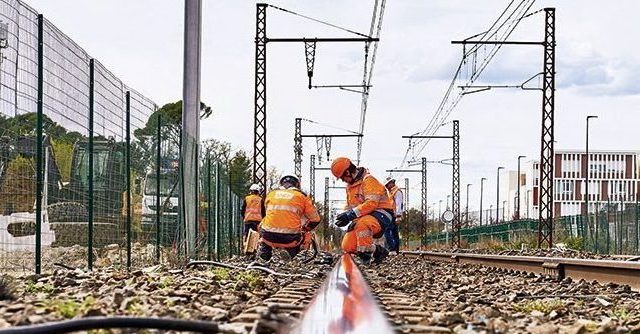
{"x": 368, "y": 195}
{"x": 253, "y": 210}
{"x": 286, "y": 208}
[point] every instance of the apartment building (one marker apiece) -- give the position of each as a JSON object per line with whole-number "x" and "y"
{"x": 613, "y": 176}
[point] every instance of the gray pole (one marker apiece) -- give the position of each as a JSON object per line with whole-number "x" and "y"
{"x": 481, "y": 193}
{"x": 586, "y": 176}
{"x": 498, "y": 195}
{"x": 190, "y": 121}
{"x": 467, "y": 207}
{"x": 518, "y": 190}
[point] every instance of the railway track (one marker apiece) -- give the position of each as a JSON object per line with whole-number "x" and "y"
{"x": 603, "y": 271}
{"x": 426, "y": 292}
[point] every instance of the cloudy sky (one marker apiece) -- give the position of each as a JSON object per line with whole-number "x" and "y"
{"x": 597, "y": 70}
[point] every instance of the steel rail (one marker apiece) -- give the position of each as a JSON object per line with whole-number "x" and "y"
{"x": 344, "y": 304}
{"x": 603, "y": 271}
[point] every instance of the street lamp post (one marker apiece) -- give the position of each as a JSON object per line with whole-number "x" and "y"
{"x": 467, "y": 206}
{"x": 498, "y": 194}
{"x": 528, "y": 192}
{"x": 518, "y": 190}
{"x": 504, "y": 206}
{"x": 490, "y": 213}
{"x": 481, "y": 191}
{"x": 448, "y": 196}
{"x": 586, "y": 176}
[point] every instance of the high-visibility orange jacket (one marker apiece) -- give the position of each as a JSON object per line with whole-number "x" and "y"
{"x": 252, "y": 208}
{"x": 395, "y": 194}
{"x": 285, "y": 210}
{"x": 367, "y": 195}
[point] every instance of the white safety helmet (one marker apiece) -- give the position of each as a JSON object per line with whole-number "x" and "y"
{"x": 255, "y": 187}
{"x": 389, "y": 179}
{"x": 290, "y": 179}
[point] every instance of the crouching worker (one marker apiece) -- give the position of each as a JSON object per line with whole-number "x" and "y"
{"x": 369, "y": 211}
{"x": 282, "y": 227}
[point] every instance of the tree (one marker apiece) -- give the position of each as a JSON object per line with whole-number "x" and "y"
{"x": 273, "y": 178}
{"x": 171, "y": 117}
{"x": 240, "y": 173}
{"x": 143, "y": 148}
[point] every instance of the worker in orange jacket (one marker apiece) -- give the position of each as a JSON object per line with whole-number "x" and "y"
{"x": 252, "y": 209}
{"x": 369, "y": 211}
{"x": 282, "y": 226}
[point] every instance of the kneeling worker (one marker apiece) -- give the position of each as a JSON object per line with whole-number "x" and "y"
{"x": 282, "y": 225}
{"x": 369, "y": 211}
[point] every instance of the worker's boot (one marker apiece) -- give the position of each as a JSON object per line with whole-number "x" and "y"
{"x": 379, "y": 254}
{"x": 364, "y": 257}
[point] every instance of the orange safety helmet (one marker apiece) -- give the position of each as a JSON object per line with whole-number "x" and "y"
{"x": 339, "y": 166}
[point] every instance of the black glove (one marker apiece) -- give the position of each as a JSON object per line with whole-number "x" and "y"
{"x": 344, "y": 218}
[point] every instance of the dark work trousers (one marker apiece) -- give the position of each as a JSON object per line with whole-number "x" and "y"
{"x": 265, "y": 251}
{"x": 250, "y": 226}
{"x": 392, "y": 237}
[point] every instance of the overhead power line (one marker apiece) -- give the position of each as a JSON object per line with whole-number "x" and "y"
{"x": 376, "y": 23}
{"x": 318, "y": 21}
{"x": 500, "y": 30}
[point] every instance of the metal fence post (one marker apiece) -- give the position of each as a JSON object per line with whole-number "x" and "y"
{"x": 229, "y": 218}
{"x": 90, "y": 169}
{"x": 608, "y": 227}
{"x": 158, "y": 205}
{"x": 218, "y": 211}
{"x": 39, "y": 149}
{"x": 637, "y": 225}
{"x": 128, "y": 174}
{"x": 597, "y": 214}
{"x": 209, "y": 236}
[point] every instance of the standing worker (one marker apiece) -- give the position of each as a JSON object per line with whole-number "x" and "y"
{"x": 282, "y": 226}
{"x": 392, "y": 237}
{"x": 369, "y": 211}
{"x": 252, "y": 209}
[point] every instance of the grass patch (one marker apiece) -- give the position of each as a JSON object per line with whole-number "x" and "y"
{"x": 620, "y": 313}
{"x": 36, "y": 287}
{"x": 576, "y": 243}
{"x": 544, "y": 305}
{"x": 221, "y": 274}
{"x": 251, "y": 278}
{"x": 69, "y": 308}
{"x": 166, "y": 282}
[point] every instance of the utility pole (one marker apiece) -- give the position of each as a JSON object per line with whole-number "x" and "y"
{"x": 326, "y": 200}
{"x": 498, "y": 195}
{"x": 297, "y": 148}
{"x": 466, "y": 214}
{"x": 455, "y": 177}
{"x": 586, "y": 175}
{"x": 481, "y": 192}
{"x": 545, "y": 219}
{"x": 406, "y": 195}
{"x": 260, "y": 97}
{"x": 190, "y": 123}
{"x": 312, "y": 176}
{"x": 423, "y": 199}
{"x": 518, "y": 190}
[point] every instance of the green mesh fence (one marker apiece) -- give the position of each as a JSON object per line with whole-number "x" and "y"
{"x": 613, "y": 229}
{"x": 105, "y": 160}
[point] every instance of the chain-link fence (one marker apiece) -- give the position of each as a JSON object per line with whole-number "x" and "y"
{"x": 88, "y": 166}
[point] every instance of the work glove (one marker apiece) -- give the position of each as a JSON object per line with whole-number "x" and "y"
{"x": 344, "y": 218}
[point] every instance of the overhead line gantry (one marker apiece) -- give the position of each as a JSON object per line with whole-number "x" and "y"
{"x": 260, "y": 97}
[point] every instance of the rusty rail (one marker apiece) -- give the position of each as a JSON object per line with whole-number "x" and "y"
{"x": 344, "y": 304}
{"x": 603, "y": 271}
